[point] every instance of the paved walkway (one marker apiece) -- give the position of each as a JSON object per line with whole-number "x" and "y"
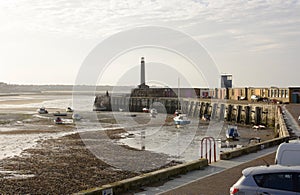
{"x": 291, "y": 121}
{"x": 185, "y": 182}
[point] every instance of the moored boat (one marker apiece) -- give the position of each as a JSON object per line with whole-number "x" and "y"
{"x": 153, "y": 112}
{"x": 58, "y": 120}
{"x": 58, "y": 113}
{"x": 42, "y": 110}
{"x": 232, "y": 133}
{"x": 69, "y": 109}
{"x": 181, "y": 119}
{"x": 76, "y": 116}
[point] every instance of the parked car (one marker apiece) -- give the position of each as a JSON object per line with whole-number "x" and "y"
{"x": 274, "y": 179}
{"x": 288, "y": 154}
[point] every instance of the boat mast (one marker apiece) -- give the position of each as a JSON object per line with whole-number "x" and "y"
{"x": 178, "y": 92}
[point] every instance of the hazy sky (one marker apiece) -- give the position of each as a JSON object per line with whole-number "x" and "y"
{"x": 45, "y": 42}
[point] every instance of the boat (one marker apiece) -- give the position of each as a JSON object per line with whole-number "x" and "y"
{"x": 153, "y": 113}
{"x": 258, "y": 127}
{"x": 58, "y": 121}
{"x": 42, "y": 110}
{"x": 69, "y": 109}
{"x": 232, "y": 133}
{"x": 100, "y": 108}
{"x": 76, "y": 117}
{"x": 177, "y": 112}
{"x": 58, "y": 113}
{"x": 146, "y": 110}
{"x": 181, "y": 119}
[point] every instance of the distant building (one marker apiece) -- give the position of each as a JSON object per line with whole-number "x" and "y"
{"x": 294, "y": 94}
{"x": 226, "y": 81}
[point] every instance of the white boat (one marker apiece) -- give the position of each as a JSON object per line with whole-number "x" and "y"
{"x": 153, "y": 112}
{"x": 181, "y": 119}
{"x": 42, "y": 110}
{"x": 145, "y": 110}
{"x": 76, "y": 117}
{"x": 177, "y": 112}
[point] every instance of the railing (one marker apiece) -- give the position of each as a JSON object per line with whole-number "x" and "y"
{"x": 212, "y": 143}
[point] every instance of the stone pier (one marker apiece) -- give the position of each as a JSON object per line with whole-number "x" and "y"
{"x": 241, "y": 113}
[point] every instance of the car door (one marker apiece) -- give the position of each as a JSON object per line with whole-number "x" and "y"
{"x": 277, "y": 184}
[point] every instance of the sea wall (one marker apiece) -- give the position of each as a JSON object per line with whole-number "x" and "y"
{"x": 161, "y": 175}
{"x": 240, "y": 113}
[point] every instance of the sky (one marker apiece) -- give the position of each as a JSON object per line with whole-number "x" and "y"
{"x": 46, "y": 42}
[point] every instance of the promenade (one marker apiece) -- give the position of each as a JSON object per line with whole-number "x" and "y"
{"x": 216, "y": 179}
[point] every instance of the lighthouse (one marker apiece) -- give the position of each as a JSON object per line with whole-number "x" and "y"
{"x": 143, "y": 83}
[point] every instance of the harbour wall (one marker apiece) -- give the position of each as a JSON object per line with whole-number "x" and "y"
{"x": 213, "y": 109}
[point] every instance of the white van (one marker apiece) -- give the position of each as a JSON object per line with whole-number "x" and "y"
{"x": 288, "y": 154}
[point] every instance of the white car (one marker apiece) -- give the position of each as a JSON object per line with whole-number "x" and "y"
{"x": 272, "y": 180}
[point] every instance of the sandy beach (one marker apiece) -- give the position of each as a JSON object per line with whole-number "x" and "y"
{"x": 40, "y": 157}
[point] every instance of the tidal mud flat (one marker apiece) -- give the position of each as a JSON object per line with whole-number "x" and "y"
{"x": 39, "y": 157}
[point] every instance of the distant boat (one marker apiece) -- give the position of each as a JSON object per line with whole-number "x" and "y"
{"x": 181, "y": 119}
{"x": 177, "y": 112}
{"x": 42, "y": 110}
{"x": 58, "y": 121}
{"x": 232, "y": 132}
{"x": 258, "y": 127}
{"x": 100, "y": 108}
{"x": 69, "y": 109}
{"x": 153, "y": 113}
{"x": 58, "y": 113}
{"x": 146, "y": 110}
{"x": 76, "y": 117}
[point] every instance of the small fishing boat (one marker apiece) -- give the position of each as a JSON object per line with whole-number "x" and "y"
{"x": 58, "y": 113}
{"x": 42, "y": 110}
{"x": 181, "y": 119}
{"x": 177, "y": 112}
{"x": 146, "y": 110}
{"x": 58, "y": 121}
{"x": 76, "y": 117}
{"x": 232, "y": 133}
{"x": 69, "y": 109}
{"x": 100, "y": 108}
{"x": 153, "y": 113}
